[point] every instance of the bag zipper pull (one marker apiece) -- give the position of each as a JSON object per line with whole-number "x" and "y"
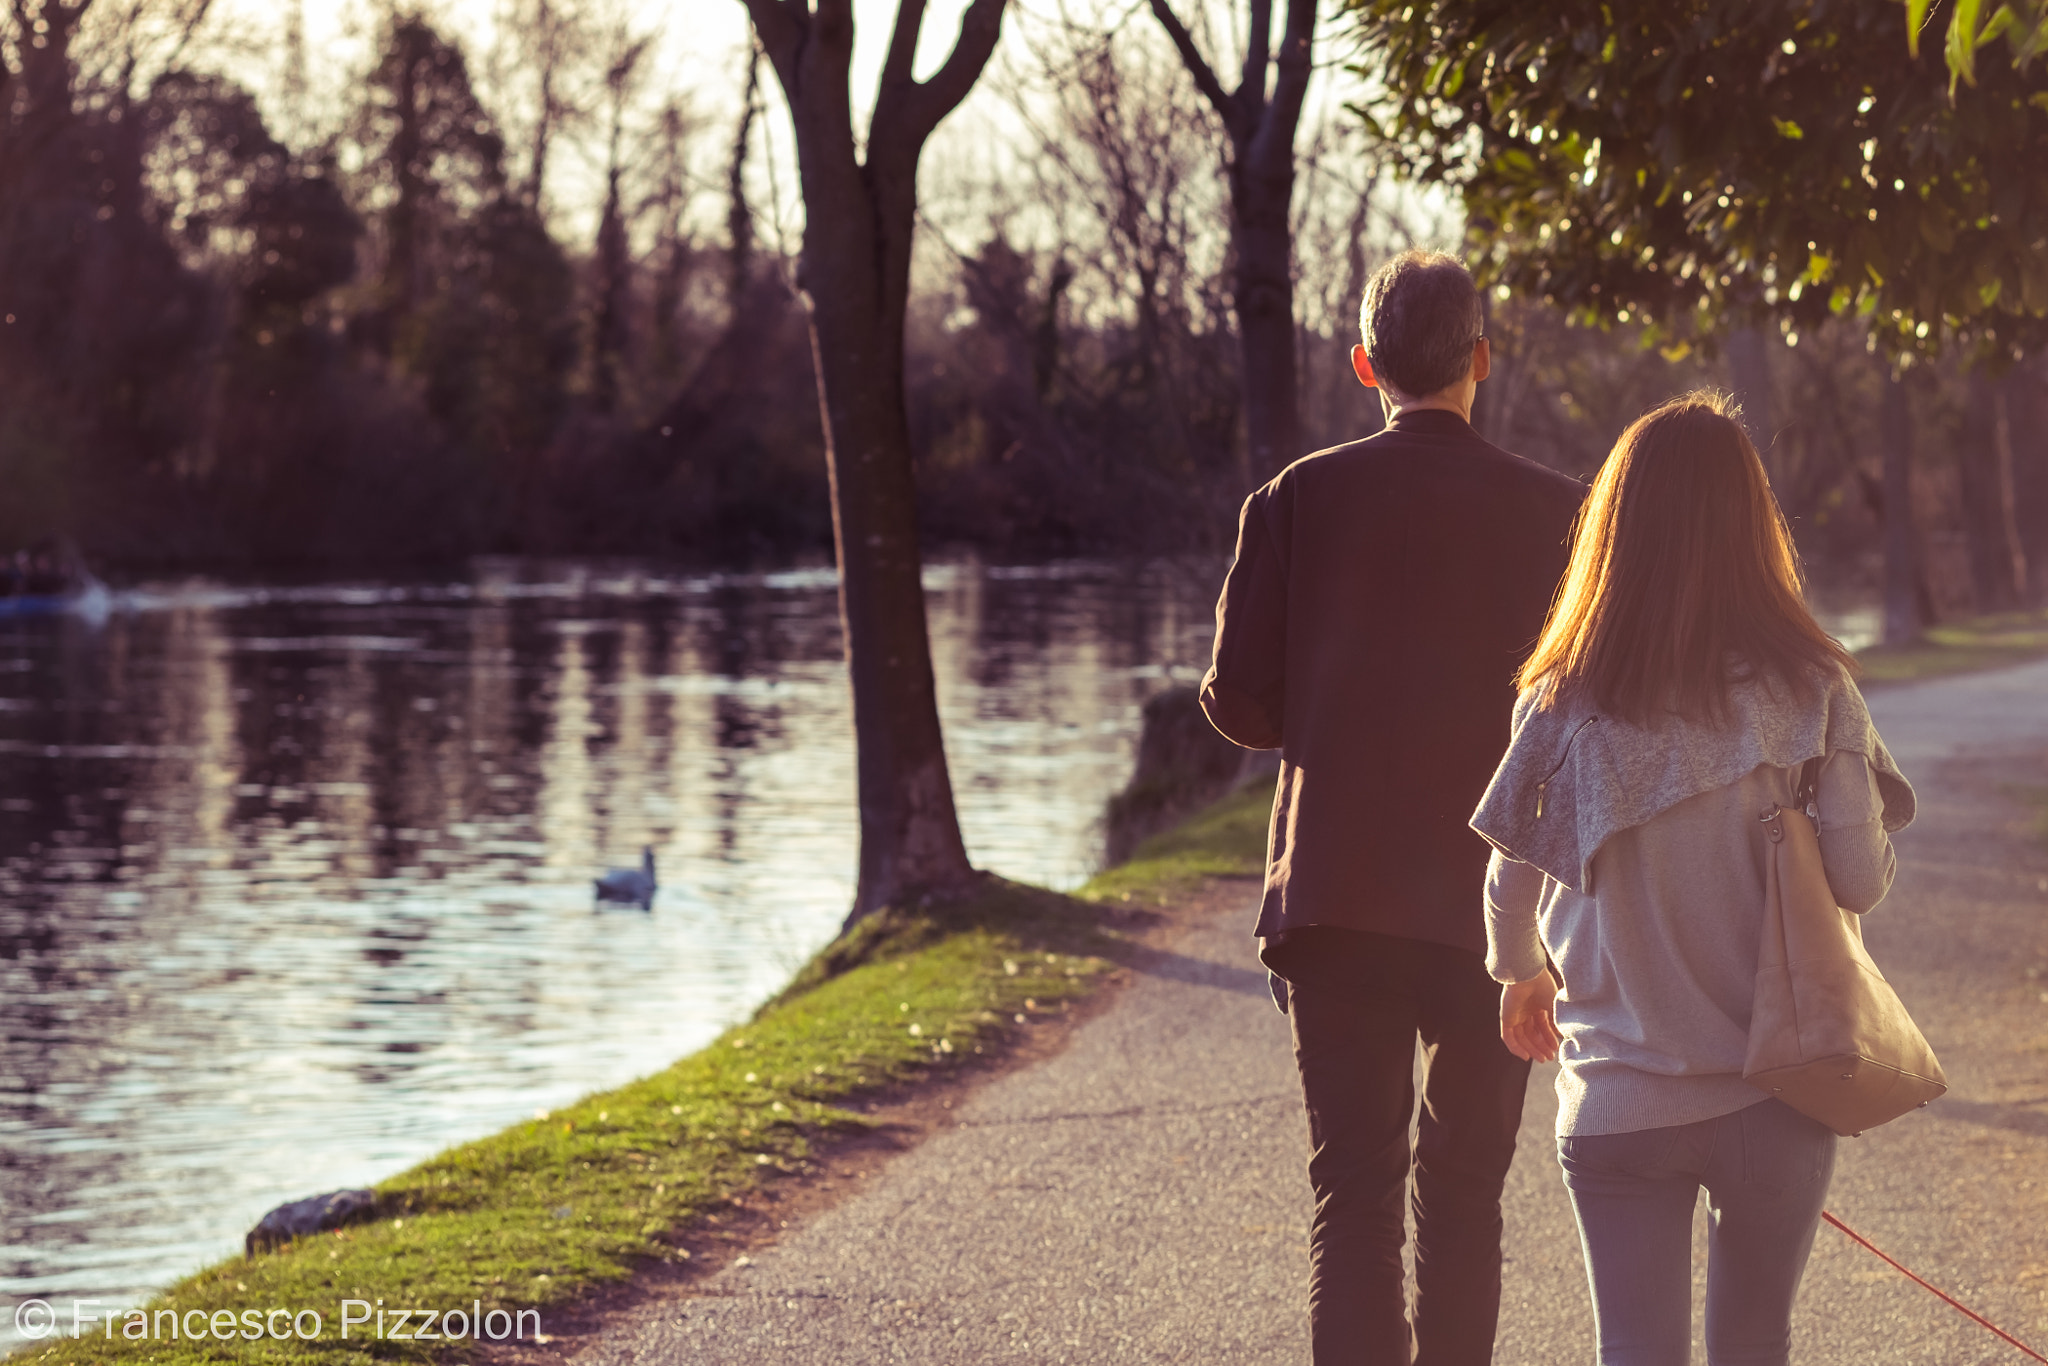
{"x": 1541, "y": 788}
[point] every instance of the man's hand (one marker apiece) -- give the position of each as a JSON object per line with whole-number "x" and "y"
{"x": 1527, "y": 1025}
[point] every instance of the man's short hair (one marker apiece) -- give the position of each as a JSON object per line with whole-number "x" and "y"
{"x": 1419, "y": 320}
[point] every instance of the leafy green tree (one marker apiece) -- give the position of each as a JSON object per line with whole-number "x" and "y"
{"x": 434, "y": 156}
{"x": 100, "y": 322}
{"x": 268, "y": 235}
{"x": 1689, "y": 162}
{"x": 238, "y": 203}
{"x": 302, "y": 244}
{"x": 1702, "y": 166}
{"x": 475, "y": 301}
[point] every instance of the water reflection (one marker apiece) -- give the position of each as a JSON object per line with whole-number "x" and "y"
{"x": 294, "y": 882}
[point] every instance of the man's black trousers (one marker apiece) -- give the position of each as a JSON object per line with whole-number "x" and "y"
{"x": 1357, "y": 1003}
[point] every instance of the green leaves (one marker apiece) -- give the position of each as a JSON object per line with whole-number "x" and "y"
{"x": 2022, "y": 23}
{"x": 1962, "y": 43}
{"x": 1916, "y": 20}
{"x": 2033, "y": 273}
{"x": 1748, "y": 144}
{"x": 2029, "y": 38}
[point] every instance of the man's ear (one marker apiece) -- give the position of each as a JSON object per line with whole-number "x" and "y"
{"x": 1482, "y": 359}
{"x": 1362, "y": 367}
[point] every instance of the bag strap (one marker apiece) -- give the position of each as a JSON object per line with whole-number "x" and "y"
{"x": 1809, "y": 780}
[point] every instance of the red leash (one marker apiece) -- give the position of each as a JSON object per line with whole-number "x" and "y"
{"x": 1945, "y": 1297}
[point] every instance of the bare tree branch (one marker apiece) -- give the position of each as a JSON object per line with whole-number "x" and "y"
{"x": 896, "y": 68}
{"x": 782, "y": 26}
{"x": 1258, "y": 51}
{"x": 980, "y": 27}
{"x": 1191, "y": 57}
{"x": 193, "y": 18}
{"x": 1275, "y": 137}
{"x": 554, "y": 38}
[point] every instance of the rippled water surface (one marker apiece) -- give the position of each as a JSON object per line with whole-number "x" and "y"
{"x": 294, "y": 883}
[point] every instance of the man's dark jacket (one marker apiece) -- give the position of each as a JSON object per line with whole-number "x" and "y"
{"x": 1384, "y": 595}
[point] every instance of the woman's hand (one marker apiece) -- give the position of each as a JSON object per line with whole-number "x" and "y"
{"x": 1527, "y": 1024}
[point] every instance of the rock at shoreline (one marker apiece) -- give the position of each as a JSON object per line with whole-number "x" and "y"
{"x": 1183, "y": 765}
{"x": 314, "y": 1214}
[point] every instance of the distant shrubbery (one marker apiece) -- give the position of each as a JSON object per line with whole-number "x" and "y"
{"x": 219, "y": 347}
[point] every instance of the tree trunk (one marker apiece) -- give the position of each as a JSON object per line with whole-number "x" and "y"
{"x": 405, "y": 220}
{"x": 1749, "y": 372}
{"x": 1261, "y": 134}
{"x": 1998, "y": 566}
{"x": 2024, "y": 397}
{"x": 855, "y": 275}
{"x": 1045, "y": 338}
{"x": 739, "y": 216}
{"x": 614, "y": 287}
{"x": 547, "y": 53}
{"x": 1261, "y": 190}
{"x": 1902, "y": 623}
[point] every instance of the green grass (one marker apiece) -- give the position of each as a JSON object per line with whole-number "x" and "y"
{"x": 1227, "y": 839}
{"x": 2034, "y": 796}
{"x": 533, "y": 1215}
{"x": 1960, "y": 647}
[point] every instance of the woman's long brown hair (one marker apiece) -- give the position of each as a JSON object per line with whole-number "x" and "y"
{"x": 1683, "y": 578}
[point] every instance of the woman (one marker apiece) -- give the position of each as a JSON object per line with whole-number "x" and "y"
{"x": 1679, "y": 689}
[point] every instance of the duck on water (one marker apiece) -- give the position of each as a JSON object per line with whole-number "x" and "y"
{"x": 630, "y": 886}
{"x": 50, "y": 578}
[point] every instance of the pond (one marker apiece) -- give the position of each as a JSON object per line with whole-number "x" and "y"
{"x": 295, "y": 881}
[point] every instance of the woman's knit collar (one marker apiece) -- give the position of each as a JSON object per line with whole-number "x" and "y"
{"x": 1593, "y": 775}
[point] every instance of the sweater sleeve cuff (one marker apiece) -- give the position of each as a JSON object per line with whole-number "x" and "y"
{"x": 1514, "y": 948}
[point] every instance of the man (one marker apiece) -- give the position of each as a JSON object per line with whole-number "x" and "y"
{"x": 1383, "y": 596}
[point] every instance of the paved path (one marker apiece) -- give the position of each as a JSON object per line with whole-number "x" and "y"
{"x": 1140, "y": 1197}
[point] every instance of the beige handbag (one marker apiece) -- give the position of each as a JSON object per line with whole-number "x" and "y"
{"x": 1827, "y": 1034}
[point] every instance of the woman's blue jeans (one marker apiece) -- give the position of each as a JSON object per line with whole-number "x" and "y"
{"x": 1766, "y": 1171}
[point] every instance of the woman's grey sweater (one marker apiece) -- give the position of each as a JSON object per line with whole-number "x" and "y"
{"x": 1658, "y": 951}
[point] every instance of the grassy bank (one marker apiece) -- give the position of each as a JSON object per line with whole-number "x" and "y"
{"x": 1960, "y": 647}
{"x": 1226, "y": 838}
{"x": 531, "y": 1216}
{"x": 2034, "y": 798}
